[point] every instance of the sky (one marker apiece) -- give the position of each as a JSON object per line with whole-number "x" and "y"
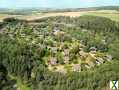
{"x": 13, "y": 4}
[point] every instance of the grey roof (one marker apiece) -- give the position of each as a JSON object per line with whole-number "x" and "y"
{"x": 93, "y": 48}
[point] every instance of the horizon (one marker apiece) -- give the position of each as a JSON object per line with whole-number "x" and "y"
{"x": 44, "y": 8}
{"x": 26, "y": 4}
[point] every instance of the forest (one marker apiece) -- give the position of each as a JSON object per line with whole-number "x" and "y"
{"x": 59, "y": 53}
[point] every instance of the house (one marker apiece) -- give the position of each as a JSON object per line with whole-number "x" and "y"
{"x": 54, "y": 49}
{"x": 76, "y": 68}
{"x": 104, "y": 41}
{"x": 57, "y": 31}
{"x": 87, "y": 66}
{"x": 108, "y": 57}
{"x": 66, "y": 59}
{"x": 91, "y": 64}
{"x": 15, "y": 87}
{"x": 93, "y": 50}
{"x": 99, "y": 60}
{"x": 53, "y": 61}
{"x": 49, "y": 47}
{"x": 84, "y": 30}
{"x": 81, "y": 49}
{"x": 83, "y": 54}
{"x": 66, "y": 52}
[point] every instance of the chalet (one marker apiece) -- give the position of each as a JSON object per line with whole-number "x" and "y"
{"x": 57, "y": 31}
{"x": 76, "y": 68}
{"x": 93, "y": 50}
{"x": 81, "y": 49}
{"x": 66, "y": 52}
{"x": 87, "y": 66}
{"x": 91, "y": 64}
{"x": 99, "y": 60}
{"x": 15, "y": 87}
{"x": 108, "y": 57}
{"x": 54, "y": 49}
{"x": 66, "y": 59}
{"x": 48, "y": 47}
{"x": 83, "y": 54}
{"x": 53, "y": 61}
{"x": 104, "y": 41}
{"x": 84, "y": 30}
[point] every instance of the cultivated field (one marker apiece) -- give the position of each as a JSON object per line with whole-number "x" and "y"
{"x": 112, "y": 14}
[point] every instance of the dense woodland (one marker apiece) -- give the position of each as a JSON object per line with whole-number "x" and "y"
{"x": 26, "y": 47}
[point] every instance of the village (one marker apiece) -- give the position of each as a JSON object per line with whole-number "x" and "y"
{"x": 69, "y": 56}
{"x": 65, "y": 55}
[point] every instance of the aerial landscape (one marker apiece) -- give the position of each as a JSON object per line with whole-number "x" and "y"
{"x": 72, "y": 45}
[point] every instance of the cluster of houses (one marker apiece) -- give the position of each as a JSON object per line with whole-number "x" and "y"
{"x": 57, "y": 31}
{"x": 89, "y": 58}
{"x": 53, "y": 59}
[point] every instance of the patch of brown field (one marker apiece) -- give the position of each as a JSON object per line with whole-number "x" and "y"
{"x": 40, "y": 15}
{"x": 43, "y": 15}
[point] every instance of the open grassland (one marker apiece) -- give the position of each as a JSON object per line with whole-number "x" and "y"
{"x": 112, "y": 14}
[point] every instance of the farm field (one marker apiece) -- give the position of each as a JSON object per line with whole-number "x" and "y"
{"x": 112, "y": 14}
